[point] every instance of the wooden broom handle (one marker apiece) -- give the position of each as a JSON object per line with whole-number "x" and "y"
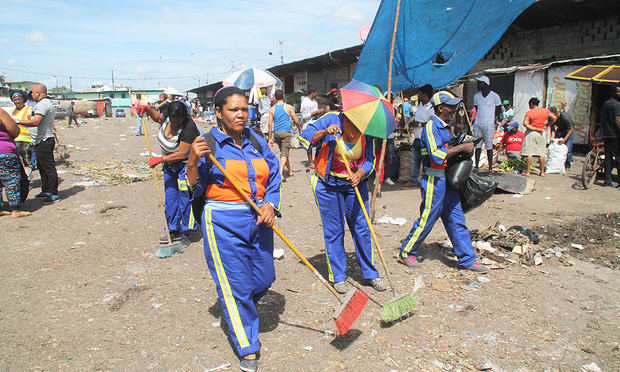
{"x": 233, "y": 180}
{"x": 363, "y": 206}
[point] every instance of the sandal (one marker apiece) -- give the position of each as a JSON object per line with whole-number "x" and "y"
{"x": 542, "y": 174}
{"x": 18, "y": 214}
{"x": 525, "y": 174}
{"x": 379, "y": 284}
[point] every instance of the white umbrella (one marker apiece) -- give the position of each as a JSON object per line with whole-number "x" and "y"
{"x": 252, "y": 77}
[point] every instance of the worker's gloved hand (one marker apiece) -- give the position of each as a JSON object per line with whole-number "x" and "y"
{"x": 154, "y": 160}
{"x": 141, "y": 109}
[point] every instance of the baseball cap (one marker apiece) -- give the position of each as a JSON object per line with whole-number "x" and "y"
{"x": 513, "y": 124}
{"x": 446, "y": 98}
{"x": 484, "y": 79}
{"x": 506, "y": 102}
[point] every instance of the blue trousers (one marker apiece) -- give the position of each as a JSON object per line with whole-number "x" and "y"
{"x": 440, "y": 200}
{"x": 178, "y": 207}
{"x": 240, "y": 257}
{"x": 569, "y": 155}
{"x": 337, "y": 204}
{"x": 416, "y": 161}
{"x": 138, "y": 125}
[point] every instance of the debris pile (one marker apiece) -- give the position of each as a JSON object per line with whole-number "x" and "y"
{"x": 508, "y": 246}
{"x": 118, "y": 172}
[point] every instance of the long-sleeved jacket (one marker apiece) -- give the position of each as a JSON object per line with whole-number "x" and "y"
{"x": 325, "y": 148}
{"x": 258, "y": 174}
{"x": 434, "y": 141}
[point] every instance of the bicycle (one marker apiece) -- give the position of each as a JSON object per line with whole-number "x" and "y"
{"x": 593, "y": 163}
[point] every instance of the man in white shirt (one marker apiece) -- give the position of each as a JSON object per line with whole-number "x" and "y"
{"x": 309, "y": 110}
{"x": 422, "y": 116}
{"x": 488, "y": 108}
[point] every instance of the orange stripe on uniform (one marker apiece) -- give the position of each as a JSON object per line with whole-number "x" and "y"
{"x": 227, "y": 192}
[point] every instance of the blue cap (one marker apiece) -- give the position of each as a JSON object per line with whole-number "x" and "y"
{"x": 513, "y": 125}
{"x": 445, "y": 98}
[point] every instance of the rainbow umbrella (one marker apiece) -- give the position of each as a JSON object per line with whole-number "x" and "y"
{"x": 368, "y": 109}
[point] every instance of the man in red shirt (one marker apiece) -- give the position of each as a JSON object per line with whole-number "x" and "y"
{"x": 512, "y": 141}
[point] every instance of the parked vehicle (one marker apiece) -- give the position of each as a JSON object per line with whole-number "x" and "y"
{"x": 120, "y": 113}
{"x": 61, "y": 112}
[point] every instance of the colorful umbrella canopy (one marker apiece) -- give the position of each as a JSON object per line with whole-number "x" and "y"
{"x": 367, "y": 109}
{"x": 252, "y": 77}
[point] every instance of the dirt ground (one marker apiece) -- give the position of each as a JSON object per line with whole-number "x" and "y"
{"x": 82, "y": 289}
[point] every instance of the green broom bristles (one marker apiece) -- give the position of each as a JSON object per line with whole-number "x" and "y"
{"x": 398, "y": 308}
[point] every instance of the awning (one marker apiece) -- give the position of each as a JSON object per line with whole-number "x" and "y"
{"x": 597, "y": 73}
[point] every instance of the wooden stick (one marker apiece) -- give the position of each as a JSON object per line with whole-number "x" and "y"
{"x": 237, "y": 185}
{"x": 161, "y": 200}
{"x": 363, "y": 206}
{"x": 378, "y": 182}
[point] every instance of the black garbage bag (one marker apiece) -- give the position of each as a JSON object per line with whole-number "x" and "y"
{"x": 476, "y": 191}
{"x": 531, "y": 234}
{"x": 457, "y": 173}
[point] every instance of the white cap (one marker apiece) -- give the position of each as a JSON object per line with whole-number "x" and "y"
{"x": 484, "y": 79}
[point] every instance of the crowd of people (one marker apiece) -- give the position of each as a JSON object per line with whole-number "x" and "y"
{"x": 202, "y": 174}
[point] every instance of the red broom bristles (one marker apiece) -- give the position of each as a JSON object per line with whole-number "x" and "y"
{"x": 351, "y": 310}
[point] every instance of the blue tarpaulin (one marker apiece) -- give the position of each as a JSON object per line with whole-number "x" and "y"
{"x": 437, "y": 42}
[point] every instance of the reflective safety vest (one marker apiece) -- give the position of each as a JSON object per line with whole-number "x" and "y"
{"x": 24, "y": 132}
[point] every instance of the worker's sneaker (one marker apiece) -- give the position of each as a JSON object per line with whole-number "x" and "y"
{"x": 389, "y": 182}
{"x": 43, "y": 195}
{"x": 411, "y": 261}
{"x": 174, "y": 236}
{"x": 248, "y": 365}
{"x": 341, "y": 287}
{"x": 476, "y": 267}
{"x": 51, "y": 199}
{"x": 379, "y": 284}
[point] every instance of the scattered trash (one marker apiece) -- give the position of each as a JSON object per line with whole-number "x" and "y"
{"x": 417, "y": 284}
{"x": 547, "y": 197}
{"x": 592, "y": 367}
{"x": 215, "y": 324}
{"x": 527, "y": 232}
{"x": 484, "y": 246}
{"x": 473, "y": 285}
{"x": 616, "y": 235}
{"x": 157, "y": 306}
{"x": 223, "y": 366}
{"x": 577, "y": 246}
{"x": 392, "y": 221}
{"x": 278, "y": 253}
{"x": 308, "y": 348}
{"x": 517, "y": 195}
{"x": 483, "y": 279}
{"x": 501, "y": 227}
{"x": 537, "y": 259}
{"x": 444, "y": 366}
{"x": 520, "y": 249}
{"x": 110, "y": 207}
{"x": 112, "y": 173}
{"x": 447, "y": 244}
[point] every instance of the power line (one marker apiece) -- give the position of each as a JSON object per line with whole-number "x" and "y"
{"x": 297, "y": 11}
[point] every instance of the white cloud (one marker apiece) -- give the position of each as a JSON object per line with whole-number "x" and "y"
{"x": 37, "y": 37}
{"x": 169, "y": 14}
{"x": 11, "y": 61}
{"x": 348, "y": 10}
{"x": 140, "y": 69}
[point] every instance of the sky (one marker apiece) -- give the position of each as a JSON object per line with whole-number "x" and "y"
{"x": 184, "y": 44}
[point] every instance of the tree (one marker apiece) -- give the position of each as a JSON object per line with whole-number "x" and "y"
{"x": 61, "y": 89}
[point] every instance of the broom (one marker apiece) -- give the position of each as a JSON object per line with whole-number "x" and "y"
{"x": 170, "y": 249}
{"x": 354, "y": 301}
{"x": 399, "y": 305}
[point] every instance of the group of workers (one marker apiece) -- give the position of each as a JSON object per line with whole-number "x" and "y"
{"x": 238, "y": 241}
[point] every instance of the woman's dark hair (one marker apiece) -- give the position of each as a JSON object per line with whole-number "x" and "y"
{"x": 534, "y": 101}
{"x": 19, "y": 92}
{"x": 177, "y": 109}
{"x": 221, "y": 95}
{"x": 427, "y": 89}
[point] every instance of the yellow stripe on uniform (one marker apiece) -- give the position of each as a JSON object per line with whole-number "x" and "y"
{"x": 431, "y": 141}
{"x": 192, "y": 221}
{"x": 304, "y": 142}
{"x": 313, "y": 181}
{"x": 182, "y": 184}
{"x": 231, "y": 305}
{"x": 428, "y": 201}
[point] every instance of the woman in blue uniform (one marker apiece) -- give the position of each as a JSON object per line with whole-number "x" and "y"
{"x": 175, "y": 137}
{"x": 335, "y": 195}
{"x": 238, "y": 244}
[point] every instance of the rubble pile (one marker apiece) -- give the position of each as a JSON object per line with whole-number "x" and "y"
{"x": 118, "y": 172}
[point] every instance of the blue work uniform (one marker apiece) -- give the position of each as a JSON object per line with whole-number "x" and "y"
{"x": 438, "y": 198}
{"x": 337, "y": 201}
{"x": 239, "y": 253}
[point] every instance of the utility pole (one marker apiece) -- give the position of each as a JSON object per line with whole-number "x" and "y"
{"x": 112, "y": 78}
{"x": 281, "y": 54}
{"x": 56, "y": 81}
{"x": 70, "y": 84}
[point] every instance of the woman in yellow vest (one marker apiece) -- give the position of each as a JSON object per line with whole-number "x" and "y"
{"x": 22, "y": 112}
